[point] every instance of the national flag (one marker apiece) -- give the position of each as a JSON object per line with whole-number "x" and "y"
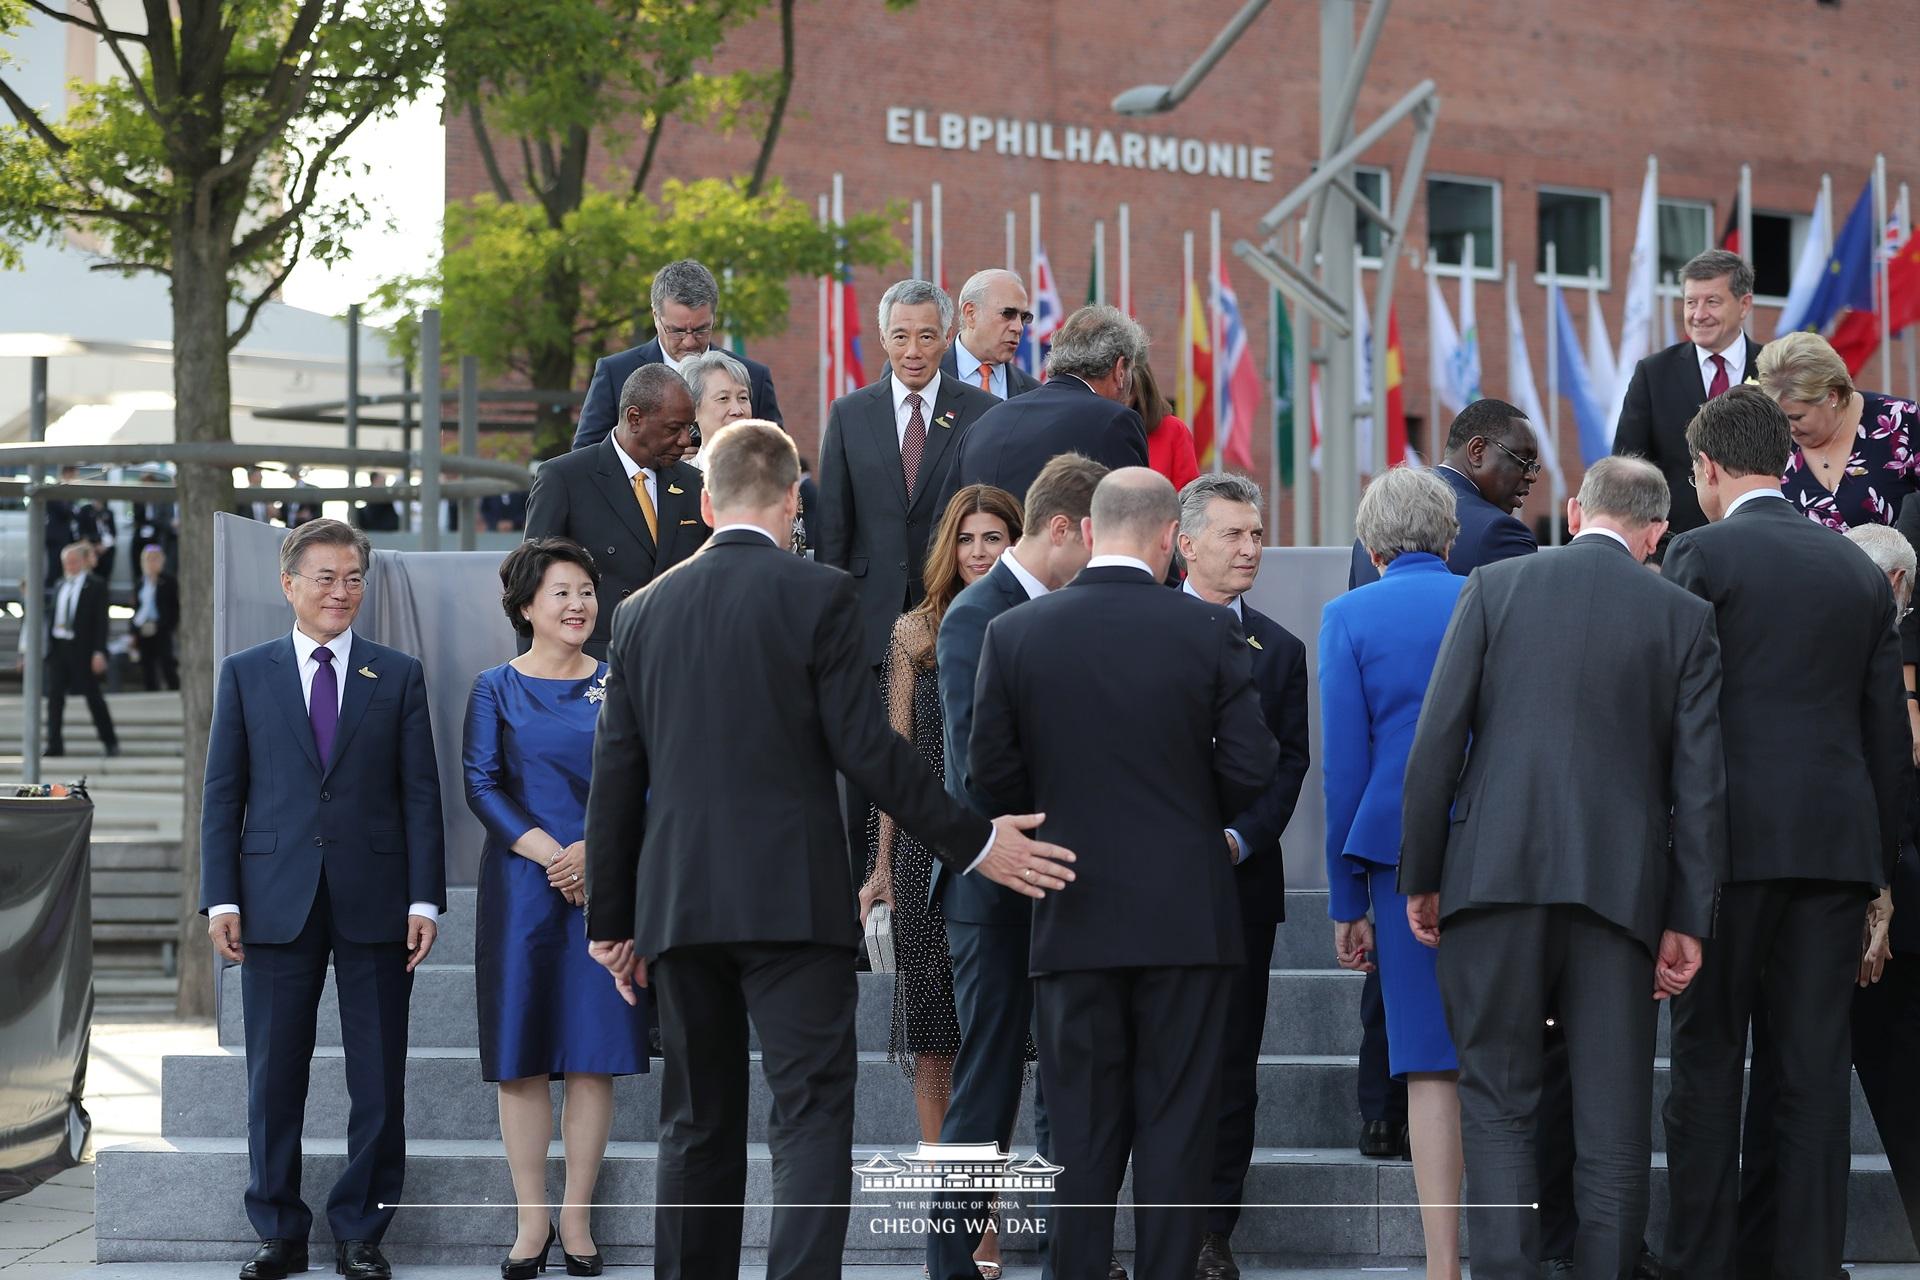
{"x": 1468, "y": 378}
{"x": 1283, "y": 418}
{"x": 1444, "y": 358}
{"x": 1730, "y": 234}
{"x": 1048, "y": 316}
{"x": 1636, "y": 319}
{"x": 1599, "y": 343}
{"x": 853, "y": 371}
{"x": 1857, "y": 336}
{"x": 1398, "y": 449}
{"x": 1196, "y": 399}
{"x": 1807, "y": 273}
{"x": 1392, "y": 408}
{"x": 1240, "y": 397}
{"x": 1576, "y": 384}
{"x": 1526, "y": 394}
{"x": 1848, "y": 278}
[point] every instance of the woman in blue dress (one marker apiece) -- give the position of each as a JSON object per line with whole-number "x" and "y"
{"x": 547, "y": 1011}
{"x": 1378, "y": 644}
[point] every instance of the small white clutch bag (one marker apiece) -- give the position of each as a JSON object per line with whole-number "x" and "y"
{"x": 880, "y": 938}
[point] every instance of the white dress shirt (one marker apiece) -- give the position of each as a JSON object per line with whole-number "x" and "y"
{"x": 633, "y": 469}
{"x": 970, "y": 365}
{"x": 902, "y": 414}
{"x": 1594, "y": 528}
{"x": 1736, "y": 357}
{"x": 1123, "y": 562}
{"x": 303, "y": 649}
{"x": 1032, "y": 585}
{"x": 669, "y": 361}
{"x": 149, "y": 606}
{"x": 1749, "y": 496}
{"x": 1239, "y": 841}
{"x": 66, "y": 603}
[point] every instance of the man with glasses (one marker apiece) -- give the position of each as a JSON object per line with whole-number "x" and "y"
{"x": 993, "y": 314}
{"x": 684, "y": 299}
{"x": 321, "y": 843}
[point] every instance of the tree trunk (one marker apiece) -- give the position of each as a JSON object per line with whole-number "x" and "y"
{"x": 554, "y": 368}
{"x": 201, "y": 414}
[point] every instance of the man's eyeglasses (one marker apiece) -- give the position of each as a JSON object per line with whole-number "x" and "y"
{"x": 353, "y": 582}
{"x": 1008, "y": 313}
{"x": 675, "y": 331}
{"x": 1528, "y": 467}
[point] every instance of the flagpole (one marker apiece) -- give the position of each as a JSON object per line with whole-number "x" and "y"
{"x": 1826, "y": 203}
{"x": 1433, "y": 385}
{"x": 1218, "y": 357}
{"x": 1906, "y": 338}
{"x": 1880, "y": 295}
{"x": 1555, "y": 516}
{"x": 1302, "y": 413}
{"x": 1033, "y": 270}
{"x": 1467, "y": 260}
{"x": 1189, "y": 402}
{"x": 1013, "y": 254}
{"x": 1099, "y": 260}
{"x": 839, "y": 296}
{"x": 939, "y": 260}
{"x": 918, "y": 261}
{"x": 1273, "y": 415}
{"x": 1744, "y": 214}
{"x": 824, "y": 330}
{"x": 1126, "y": 259}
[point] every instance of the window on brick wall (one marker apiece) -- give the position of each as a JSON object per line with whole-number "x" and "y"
{"x": 1368, "y": 235}
{"x": 1575, "y": 223}
{"x": 1457, "y": 208}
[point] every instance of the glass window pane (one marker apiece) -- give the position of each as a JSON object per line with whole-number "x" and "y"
{"x": 1456, "y": 210}
{"x": 1571, "y": 222}
{"x": 1776, "y": 237}
{"x": 1684, "y": 232}
{"x": 1373, "y": 185}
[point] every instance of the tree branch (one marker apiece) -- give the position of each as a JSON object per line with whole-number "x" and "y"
{"x": 125, "y": 217}
{"x": 130, "y": 267}
{"x": 526, "y": 165}
{"x": 285, "y": 92}
{"x": 483, "y": 139}
{"x": 235, "y": 338}
{"x": 653, "y": 137}
{"x": 100, "y": 30}
{"x": 266, "y": 233}
{"x": 27, "y": 116}
{"x": 778, "y": 116}
{"x": 126, "y": 66}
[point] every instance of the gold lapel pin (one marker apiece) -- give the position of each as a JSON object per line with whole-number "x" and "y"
{"x": 1255, "y": 643}
{"x": 674, "y": 488}
{"x": 368, "y": 673}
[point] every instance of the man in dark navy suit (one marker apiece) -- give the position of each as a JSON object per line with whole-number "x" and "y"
{"x": 1221, "y": 542}
{"x": 987, "y": 926}
{"x": 1083, "y": 408}
{"x": 321, "y": 840}
{"x": 684, "y": 298}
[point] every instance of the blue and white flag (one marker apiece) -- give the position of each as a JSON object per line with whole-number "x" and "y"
{"x": 1576, "y": 384}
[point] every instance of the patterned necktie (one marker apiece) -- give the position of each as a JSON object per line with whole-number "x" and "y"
{"x": 913, "y": 443}
{"x": 323, "y": 704}
{"x": 986, "y": 378}
{"x": 1719, "y": 382}
{"x": 646, "y": 505}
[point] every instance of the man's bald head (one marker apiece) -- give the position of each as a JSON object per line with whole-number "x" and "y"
{"x": 1135, "y": 513}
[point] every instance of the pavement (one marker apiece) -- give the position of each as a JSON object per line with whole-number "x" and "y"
{"x": 48, "y": 1234}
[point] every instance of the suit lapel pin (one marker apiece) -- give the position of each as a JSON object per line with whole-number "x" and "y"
{"x": 946, "y": 420}
{"x": 368, "y": 673}
{"x": 1256, "y": 644}
{"x": 674, "y": 488}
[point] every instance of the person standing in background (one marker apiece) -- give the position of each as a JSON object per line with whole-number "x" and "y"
{"x": 156, "y": 616}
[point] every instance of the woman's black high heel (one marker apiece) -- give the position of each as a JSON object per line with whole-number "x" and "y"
{"x": 528, "y": 1268}
{"x": 578, "y": 1264}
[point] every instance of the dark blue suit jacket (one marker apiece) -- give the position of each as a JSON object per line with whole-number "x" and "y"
{"x": 1009, "y": 443}
{"x": 1487, "y": 535}
{"x": 972, "y": 898}
{"x": 1280, "y": 674}
{"x": 275, "y": 815}
{"x": 610, "y": 373}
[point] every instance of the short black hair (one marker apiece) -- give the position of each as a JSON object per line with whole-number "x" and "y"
{"x": 647, "y": 387}
{"x": 527, "y": 564}
{"x": 1744, "y": 431}
{"x": 1492, "y": 419}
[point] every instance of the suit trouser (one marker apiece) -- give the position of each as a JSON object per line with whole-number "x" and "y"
{"x": 68, "y": 669}
{"x": 1886, "y": 1047}
{"x": 1559, "y": 1224}
{"x": 157, "y": 663}
{"x": 280, "y": 986}
{"x": 1239, "y": 1077}
{"x": 1131, "y": 1060}
{"x": 993, "y": 997}
{"x": 1501, "y": 970}
{"x": 1792, "y": 948}
{"x": 1380, "y": 1096}
{"x": 801, "y": 998}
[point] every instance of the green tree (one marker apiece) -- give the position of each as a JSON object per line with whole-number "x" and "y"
{"x": 202, "y": 162}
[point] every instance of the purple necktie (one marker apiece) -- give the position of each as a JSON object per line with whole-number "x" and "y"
{"x": 323, "y": 704}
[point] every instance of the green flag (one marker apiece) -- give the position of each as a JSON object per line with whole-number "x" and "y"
{"x": 1282, "y": 387}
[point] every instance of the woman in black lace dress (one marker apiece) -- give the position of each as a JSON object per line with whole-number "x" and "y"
{"x": 980, "y": 523}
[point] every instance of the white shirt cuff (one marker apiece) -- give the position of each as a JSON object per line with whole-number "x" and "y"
{"x": 985, "y": 849}
{"x": 224, "y": 909}
{"x": 424, "y": 909}
{"x": 1240, "y": 843}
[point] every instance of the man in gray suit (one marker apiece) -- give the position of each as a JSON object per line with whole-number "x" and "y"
{"x": 886, "y": 447}
{"x": 1574, "y": 857}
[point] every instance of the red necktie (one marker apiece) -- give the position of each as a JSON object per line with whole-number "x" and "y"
{"x": 1719, "y": 382}
{"x": 913, "y": 442}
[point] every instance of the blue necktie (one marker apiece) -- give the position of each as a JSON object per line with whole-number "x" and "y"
{"x": 323, "y": 704}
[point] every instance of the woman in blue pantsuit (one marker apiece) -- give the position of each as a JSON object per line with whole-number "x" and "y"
{"x": 1378, "y": 645}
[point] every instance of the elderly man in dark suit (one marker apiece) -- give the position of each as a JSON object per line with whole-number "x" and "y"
{"x": 77, "y": 648}
{"x": 1788, "y": 940}
{"x": 630, "y": 500}
{"x": 993, "y": 314}
{"x": 1133, "y": 970}
{"x": 1569, "y": 863}
{"x": 717, "y": 867}
{"x": 987, "y": 926}
{"x": 884, "y": 451}
{"x": 1083, "y": 408}
{"x": 1669, "y": 386}
{"x": 684, "y": 297}
{"x": 1221, "y": 540}
{"x": 321, "y": 842}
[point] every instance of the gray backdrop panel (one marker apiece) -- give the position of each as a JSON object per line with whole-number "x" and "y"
{"x": 444, "y": 608}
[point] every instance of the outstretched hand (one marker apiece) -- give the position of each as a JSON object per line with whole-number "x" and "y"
{"x": 1021, "y": 863}
{"x": 1679, "y": 960}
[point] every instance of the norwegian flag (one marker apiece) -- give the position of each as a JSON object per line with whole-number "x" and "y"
{"x": 1242, "y": 389}
{"x": 1048, "y": 316}
{"x": 853, "y": 372}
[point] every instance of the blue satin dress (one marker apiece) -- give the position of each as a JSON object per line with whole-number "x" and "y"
{"x": 546, "y": 1007}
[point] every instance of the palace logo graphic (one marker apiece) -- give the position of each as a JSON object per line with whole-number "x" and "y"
{"x": 956, "y": 1166}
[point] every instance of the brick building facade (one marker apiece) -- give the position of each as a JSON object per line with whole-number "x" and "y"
{"x": 1549, "y": 110}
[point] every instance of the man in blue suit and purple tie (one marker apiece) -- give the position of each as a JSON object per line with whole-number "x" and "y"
{"x": 321, "y": 841}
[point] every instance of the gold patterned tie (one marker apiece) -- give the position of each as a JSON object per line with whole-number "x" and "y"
{"x": 646, "y": 505}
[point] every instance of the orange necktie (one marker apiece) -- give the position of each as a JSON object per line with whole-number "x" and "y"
{"x": 646, "y": 505}
{"x": 986, "y": 378}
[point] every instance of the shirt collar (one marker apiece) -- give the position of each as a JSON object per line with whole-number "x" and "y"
{"x": 928, "y": 394}
{"x": 965, "y": 362}
{"x": 1749, "y": 496}
{"x": 669, "y": 361}
{"x": 1121, "y": 562}
{"x": 342, "y": 645}
{"x": 1034, "y": 587}
{"x": 1233, "y": 604}
{"x": 1735, "y": 356}
{"x": 750, "y": 528}
{"x": 627, "y": 464}
{"x": 1605, "y": 533}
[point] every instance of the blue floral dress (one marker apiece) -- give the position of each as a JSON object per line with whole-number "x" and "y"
{"x": 1880, "y": 473}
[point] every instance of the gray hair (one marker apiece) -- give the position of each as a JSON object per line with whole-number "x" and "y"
{"x": 1631, "y": 490}
{"x": 975, "y": 289}
{"x": 1407, "y": 510}
{"x": 685, "y": 282}
{"x": 1715, "y": 263}
{"x": 1092, "y": 339}
{"x": 915, "y": 293}
{"x": 701, "y": 368}
{"x": 646, "y": 387}
{"x": 1202, "y": 490}
{"x": 1888, "y": 547}
{"x": 316, "y": 533}
{"x": 1133, "y": 502}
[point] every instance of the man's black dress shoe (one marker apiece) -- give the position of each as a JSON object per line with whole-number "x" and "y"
{"x": 1647, "y": 1267}
{"x": 361, "y": 1260}
{"x": 1216, "y": 1259}
{"x": 1114, "y": 1270}
{"x": 1380, "y": 1139}
{"x": 275, "y": 1260}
